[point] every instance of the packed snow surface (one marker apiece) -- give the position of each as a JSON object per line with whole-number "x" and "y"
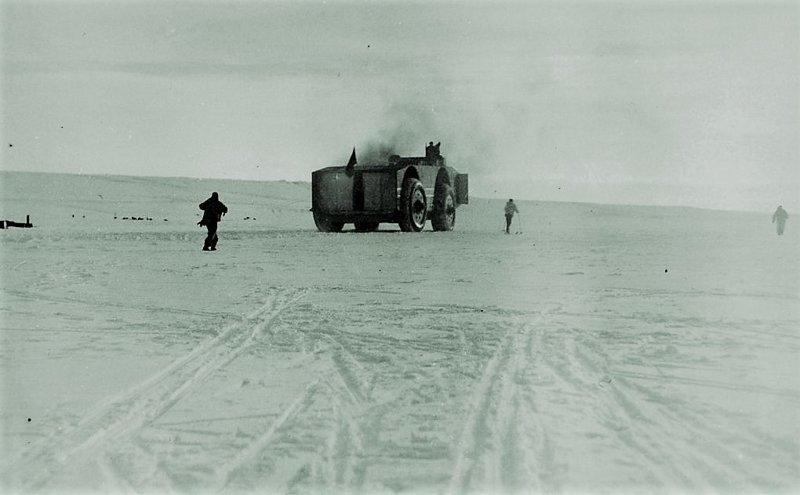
{"x": 602, "y": 349}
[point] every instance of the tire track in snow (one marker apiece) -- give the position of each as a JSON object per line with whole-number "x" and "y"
{"x": 124, "y": 414}
{"x": 225, "y": 473}
{"x": 344, "y": 363}
{"x": 644, "y": 421}
{"x": 336, "y": 462}
{"x": 618, "y": 415}
{"x": 350, "y": 437}
{"x": 710, "y": 465}
{"x": 670, "y": 426}
{"x": 491, "y": 453}
{"x": 124, "y": 471}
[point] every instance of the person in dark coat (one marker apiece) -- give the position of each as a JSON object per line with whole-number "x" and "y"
{"x": 510, "y": 209}
{"x": 779, "y": 217}
{"x": 213, "y": 210}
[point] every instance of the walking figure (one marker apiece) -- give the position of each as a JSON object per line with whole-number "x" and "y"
{"x": 213, "y": 210}
{"x": 779, "y": 218}
{"x": 510, "y": 209}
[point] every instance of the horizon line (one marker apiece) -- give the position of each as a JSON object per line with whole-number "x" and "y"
{"x": 498, "y": 198}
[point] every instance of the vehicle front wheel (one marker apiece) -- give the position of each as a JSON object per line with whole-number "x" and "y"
{"x": 326, "y": 224}
{"x": 413, "y": 206}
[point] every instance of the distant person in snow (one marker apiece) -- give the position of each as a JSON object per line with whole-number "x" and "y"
{"x": 510, "y": 209}
{"x": 213, "y": 210}
{"x": 779, "y": 218}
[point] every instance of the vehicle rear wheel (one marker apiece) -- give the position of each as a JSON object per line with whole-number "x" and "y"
{"x": 444, "y": 209}
{"x": 413, "y": 206}
{"x": 327, "y": 224}
{"x": 366, "y": 226}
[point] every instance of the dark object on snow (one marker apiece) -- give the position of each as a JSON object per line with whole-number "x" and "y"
{"x": 213, "y": 210}
{"x": 7, "y": 224}
{"x": 406, "y": 191}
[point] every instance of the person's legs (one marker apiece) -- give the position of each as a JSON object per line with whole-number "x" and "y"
{"x": 508, "y": 223}
{"x": 780, "y": 227}
{"x": 210, "y": 241}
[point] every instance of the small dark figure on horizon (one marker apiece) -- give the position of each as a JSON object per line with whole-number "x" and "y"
{"x": 779, "y": 217}
{"x": 213, "y": 210}
{"x": 510, "y": 209}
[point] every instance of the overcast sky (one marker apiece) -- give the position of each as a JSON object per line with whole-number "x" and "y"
{"x": 649, "y": 102}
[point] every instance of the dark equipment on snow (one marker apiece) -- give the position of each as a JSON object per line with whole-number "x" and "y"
{"x": 6, "y": 224}
{"x": 406, "y": 190}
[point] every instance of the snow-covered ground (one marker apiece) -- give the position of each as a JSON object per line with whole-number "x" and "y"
{"x": 605, "y": 349}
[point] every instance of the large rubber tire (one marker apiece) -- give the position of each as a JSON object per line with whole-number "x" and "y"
{"x": 413, "y": 206}
{"x": 326, "y": 224}
{"x": 444, "y": 209}
{"x": 366, "y": 226}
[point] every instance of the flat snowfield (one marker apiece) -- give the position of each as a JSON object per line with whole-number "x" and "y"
{"x": 603, "y": 349}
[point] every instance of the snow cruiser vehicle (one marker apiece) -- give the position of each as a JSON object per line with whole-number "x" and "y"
{"x": 404, "y": 190}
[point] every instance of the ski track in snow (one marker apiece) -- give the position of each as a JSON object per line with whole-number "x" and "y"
{"x": 491, "y": 453}
{"x": 506, "y": 446}
{"x": 120, "y": 417}
{"x": 246, "y": 455}
{"x": 545, "y": 380}
{"x": 339, "y": 431}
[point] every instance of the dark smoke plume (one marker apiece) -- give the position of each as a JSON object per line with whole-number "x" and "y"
{"x": 376, "y": 153}
{"x": 409, "y": 128}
